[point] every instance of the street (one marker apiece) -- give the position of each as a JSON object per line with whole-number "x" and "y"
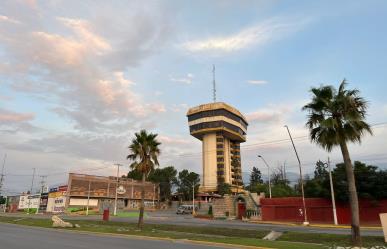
{"x": 22, "y": 237}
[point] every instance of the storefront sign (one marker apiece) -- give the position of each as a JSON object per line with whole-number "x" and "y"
{"x": 121, "y": 190}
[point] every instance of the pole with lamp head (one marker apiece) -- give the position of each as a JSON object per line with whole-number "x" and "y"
{"x": 301, "y": 179}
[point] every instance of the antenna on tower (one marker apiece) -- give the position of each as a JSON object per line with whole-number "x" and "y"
{"x": 213, "y": 83}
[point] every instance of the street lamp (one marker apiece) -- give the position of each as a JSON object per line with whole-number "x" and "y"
{"x": 193, "y": 198}
{"x": 268, "y": 173}
{"x": 301, "y": 180}
{"x": 115, "y": 197}
{"x": 328, "y": 165}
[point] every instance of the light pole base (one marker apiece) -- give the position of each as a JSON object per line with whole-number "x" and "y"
{"x": 306, "y": 223}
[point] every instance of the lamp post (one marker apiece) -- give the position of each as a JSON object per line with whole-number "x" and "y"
{"x": 115, "y": 199}
{"x": 88, "y": 199}
{"x": 193, "y": 198}
{"x": 268, "y": 173}
{"x": 301, "y": 179}
{"x": 328, "y": 165}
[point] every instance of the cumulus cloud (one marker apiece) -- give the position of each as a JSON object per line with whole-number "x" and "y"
{"x": 185, "y": 80}
{"x": 8, "y": 19}
{"x": 266, "y": 115}
{"x": 257, "y": 82}
{"x": 9, "y": 116}
{"x": 256, "y": 35}
{"x": 70, "y": 67}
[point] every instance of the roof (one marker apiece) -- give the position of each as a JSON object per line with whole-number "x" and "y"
{"x": 215, "y": 106}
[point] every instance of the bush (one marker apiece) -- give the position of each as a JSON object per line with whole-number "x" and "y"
{"x": 210, "y": 210}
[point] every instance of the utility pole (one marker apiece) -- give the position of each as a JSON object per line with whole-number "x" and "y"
{"x": 32, "y": 186}
{"x": 42, "y": 183}
{"x": 193, "y": 198}
{"x": 328, "y": 164}
{"x": 2, "y": 174}
{"x": 1, "y": 182}
{"x": 115, "y": 199}
{"x": 301, "y": 179}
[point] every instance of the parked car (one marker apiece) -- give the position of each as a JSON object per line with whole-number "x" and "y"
{"x": 185, "y": 209}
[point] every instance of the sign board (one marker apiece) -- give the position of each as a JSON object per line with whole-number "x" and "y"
{"x": 121, "y": 190}
{"x": 29, "y": 201}
{"x": 383, "y": 220}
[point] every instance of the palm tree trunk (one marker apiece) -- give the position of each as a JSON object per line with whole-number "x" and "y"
{"x": 353, "y": 200}
{"x": 141, "y": 215}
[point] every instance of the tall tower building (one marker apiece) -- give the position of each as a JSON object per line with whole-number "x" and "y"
{"x": 221, "y": 128}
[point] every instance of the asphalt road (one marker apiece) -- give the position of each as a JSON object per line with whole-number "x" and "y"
{"x": 21, "y": 237}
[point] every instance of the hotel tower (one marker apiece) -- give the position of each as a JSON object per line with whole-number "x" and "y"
{"x": 221, "y": 128}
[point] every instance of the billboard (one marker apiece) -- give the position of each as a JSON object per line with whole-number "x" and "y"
{"x": 29, "y": 201}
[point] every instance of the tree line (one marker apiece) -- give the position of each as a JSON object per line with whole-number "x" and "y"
{"x": 371, "y": 182}
{"x": 169, "y": 180}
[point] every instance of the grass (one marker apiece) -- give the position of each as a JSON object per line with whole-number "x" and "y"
{"x": 224, "y": 235}
{"x": 130, "y": 214}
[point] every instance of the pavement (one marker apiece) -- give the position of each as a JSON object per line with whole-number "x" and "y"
{"x": 22, "y": 237}
{"x": 169, "y": 217}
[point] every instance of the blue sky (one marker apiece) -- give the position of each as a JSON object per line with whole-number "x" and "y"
{"x": 77, "y": 79}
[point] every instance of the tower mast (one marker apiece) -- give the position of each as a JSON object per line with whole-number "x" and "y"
{"x": 213, "y": 83}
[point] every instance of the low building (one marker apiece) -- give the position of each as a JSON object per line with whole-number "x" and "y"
{"x": 100, "y": 192}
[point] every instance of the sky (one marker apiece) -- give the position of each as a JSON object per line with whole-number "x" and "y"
{"x": 79, "y": 78}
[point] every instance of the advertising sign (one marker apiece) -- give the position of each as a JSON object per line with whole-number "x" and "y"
{"x": 121, "y": 190}
{"x": 29, "y": 201}
{"x": 43, "y": 202}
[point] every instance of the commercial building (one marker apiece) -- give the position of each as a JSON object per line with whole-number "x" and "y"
{"x": 100, "y": 192}
{"x": 221, "y": 128}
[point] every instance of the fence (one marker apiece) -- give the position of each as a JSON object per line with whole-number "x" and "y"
{"x": 319, "y": 210}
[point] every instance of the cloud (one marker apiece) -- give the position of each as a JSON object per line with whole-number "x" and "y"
{"x": 266, "y": 115}
{"x": 14, "y": 117}
{"x": 257, "y": 82}
{"x": 71, "y": 71}
{"x": 186, "y": 79}
{"x": 8, "y": 19}
{"x": 257, "y": 35}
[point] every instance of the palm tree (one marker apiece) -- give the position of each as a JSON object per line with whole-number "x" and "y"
{"x": 335, "y": 118}
{"x": 144, "y": 151}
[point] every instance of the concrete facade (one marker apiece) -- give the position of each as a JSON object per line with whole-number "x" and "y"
{"x": 221, "y": 128}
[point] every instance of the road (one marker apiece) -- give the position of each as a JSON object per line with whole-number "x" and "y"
{"x": 22, "y": 237}
{"x": 165, "y": 217}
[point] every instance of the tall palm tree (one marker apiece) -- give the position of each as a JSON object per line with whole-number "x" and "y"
{"x": 335, "y": 118}
{"x": 144, "y": 151}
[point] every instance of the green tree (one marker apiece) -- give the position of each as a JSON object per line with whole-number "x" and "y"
{"x": 144, "y": 150}
{"x": 135, "y": 175}
{"x": 319, "y": 185}
{"x": 255, "y": 176}
{"x": 184, "y": 184}
{"x": 371, "y": 183}
{"x": 335, "y": 118}
{"x": 224, "y": 189}
{"x": 165, "y": 177}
